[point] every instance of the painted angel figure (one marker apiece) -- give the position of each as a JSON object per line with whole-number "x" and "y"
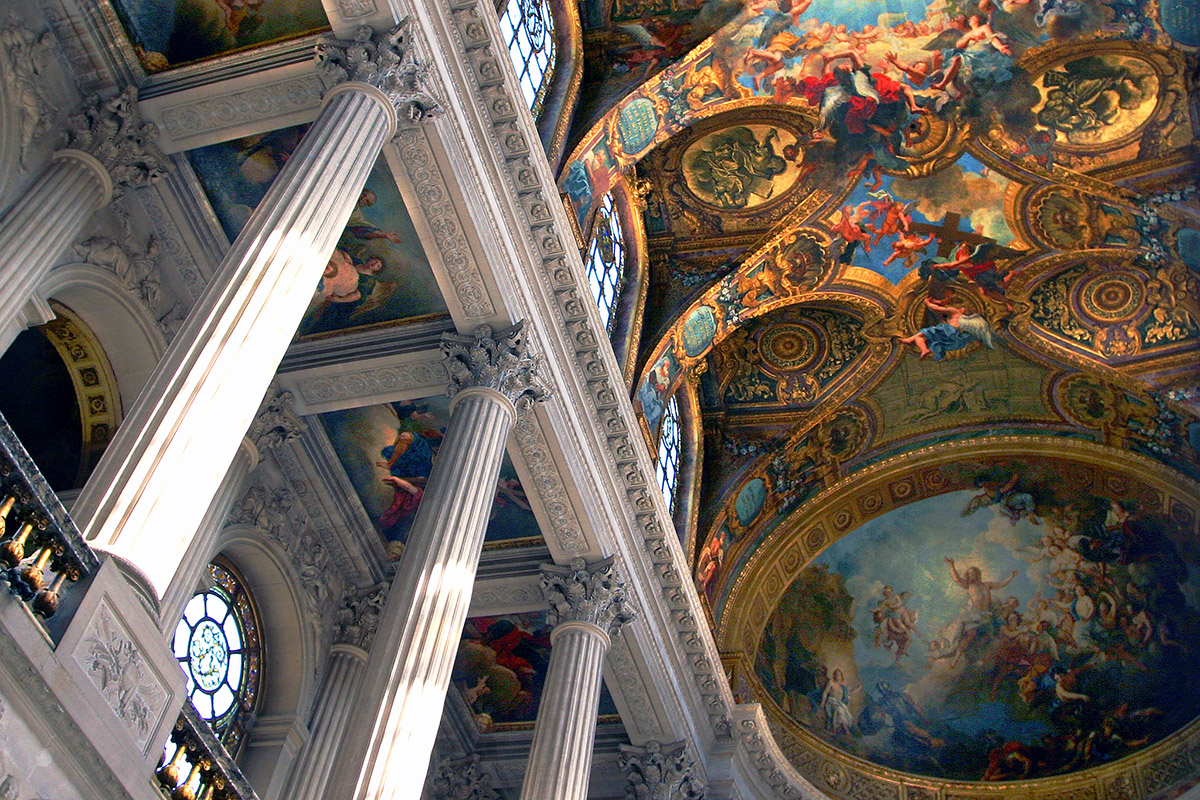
{"x": 957, "y": 331}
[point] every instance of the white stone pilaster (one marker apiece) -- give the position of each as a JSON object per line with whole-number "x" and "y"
{"x": 334, "y": 705}
{"x": 148, "y": 494}
{"x": 408, "y": 673}
{"x": 587, "y": 608}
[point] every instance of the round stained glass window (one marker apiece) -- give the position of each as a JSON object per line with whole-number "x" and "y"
{"x": 217, "y": 645}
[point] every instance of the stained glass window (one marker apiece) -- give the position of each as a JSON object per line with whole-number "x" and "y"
{"x": 218, "y": 646}
{"x": 606, "y": 261}
{"x": 528, "y": 30}
{"x": 668, "y": 452}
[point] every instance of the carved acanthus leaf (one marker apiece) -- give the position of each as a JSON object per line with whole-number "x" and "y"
{"x": 583, "y": 592}
{"x": 460, "y": 779}
{"x": 275, "y": 424}
{"x": 113, "y": 132}
{"x": 495, "y": 360}
{"x": 661, "y": 772}
{"x": 358, "y": 619}
{"x": 383, "y": 60}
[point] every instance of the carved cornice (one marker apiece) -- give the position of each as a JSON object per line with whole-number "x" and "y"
{"x": 583, "y": 592}
{"x": 112, "y": 131}
{"x": 383, "y": 60}
{"x": 549, "y": 229}
{"x": 548, "y": 484}
{"x": 496, "y": 360}
{"x": 445, "y": 225}
{"x": 661, "y": 772}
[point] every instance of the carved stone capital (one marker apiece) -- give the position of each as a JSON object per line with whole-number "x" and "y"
{"x": 660, "y": 772}
{"x": 358, "y": 618}
{"x": 583, "y": 592}
{"x": 495, "y": 360}
{"x": 112, "y": 132}
{"x": 460, "y": 779}
{"x": 383, "y": 60}
{"x": 275, "y": 424}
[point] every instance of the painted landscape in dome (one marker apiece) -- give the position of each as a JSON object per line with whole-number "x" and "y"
{"x": 378, "y": 274}
{"x": 170, "y": 32}
{"x": 388, "y": 452}
{"x": 1023, "y": 629}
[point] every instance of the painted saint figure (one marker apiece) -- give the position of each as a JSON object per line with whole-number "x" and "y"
{"x": 977, "y": 612}
{"x": 956, "y": 332}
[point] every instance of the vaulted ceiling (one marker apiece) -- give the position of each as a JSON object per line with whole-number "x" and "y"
{"x": 925, "y": 272}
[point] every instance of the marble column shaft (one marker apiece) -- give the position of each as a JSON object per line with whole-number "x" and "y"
{"x": 105, "y": 149}
{"x": 332, "y": 713}
{"x": 587, "y": 608}
{"x": 42, "y": 225}
{"x": 149, "y": 493}
{"x": 560, "y": 758}
{"x": 400, "y": 706}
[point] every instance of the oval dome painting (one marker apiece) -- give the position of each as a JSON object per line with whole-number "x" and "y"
{"x": 1024, "y": 629}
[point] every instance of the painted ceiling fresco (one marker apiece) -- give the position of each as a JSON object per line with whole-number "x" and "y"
{"x": 388, "y": 452}
{"x": 1022, "y": 628}
{"x": 166, "y": 33}
{"x": 378, "y": 275}
{"x": 878, "y": 232}
{"x": 501, "y": 669}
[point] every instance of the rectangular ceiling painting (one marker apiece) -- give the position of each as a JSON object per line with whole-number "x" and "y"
{"x": 501, "y": 668}
{"x": 378, "y": 274}
{"x": 388, "y": 452}
{"x": 166, "y": 33}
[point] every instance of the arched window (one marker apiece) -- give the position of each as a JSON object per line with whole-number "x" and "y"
{"x": 218, "y": 645}
{"x": 668, "y": 452}
{"x": 528, "y": 29}
{"x": 606, "y": 261}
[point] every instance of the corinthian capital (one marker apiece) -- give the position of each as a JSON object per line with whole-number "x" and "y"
{"x": 383, "y": 60}
{"x": 113, "y": 133}
{"x": 460, "y": 779}
{"x": 494, "y": 360}
{"x": 583, "y": 592}
{"x": 660, "y": 772}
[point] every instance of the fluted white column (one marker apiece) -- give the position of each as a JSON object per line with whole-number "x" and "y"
{"x": 148, "y": 494}
{"x": 408, "y": 673}
{"x": 334, "y": 704}
{"x": 331, "y": 719}
{"x": 204, "y": 544}
{"x": 106, "y": 148}
{"x": 587, "y": 608}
